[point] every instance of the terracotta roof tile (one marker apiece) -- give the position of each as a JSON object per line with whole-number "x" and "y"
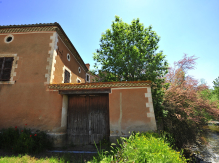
{"x": 96, "y": 85}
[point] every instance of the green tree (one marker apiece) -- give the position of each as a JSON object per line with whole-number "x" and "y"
{"x": 216, "y": 87}
{"x": 128, "y": 53}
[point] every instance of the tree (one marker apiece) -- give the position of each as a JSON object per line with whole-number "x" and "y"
{"x": 216, "y": 87}
{"x": 128, "y": 53}
{"x": 187, "y": 110}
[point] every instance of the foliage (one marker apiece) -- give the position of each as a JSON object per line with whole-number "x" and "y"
{"x": 24, "y": 141}
{"x": 210, "y": 95}
{"x": 128, "y": 53}
{"x": 187, "y": 110}
{"x": 142, "y": 147}
{"x": 216, "y": 87}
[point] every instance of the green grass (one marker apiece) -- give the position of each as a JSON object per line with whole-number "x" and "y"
{"x": 28, "y": 159}
{"x": 54, "y": 158}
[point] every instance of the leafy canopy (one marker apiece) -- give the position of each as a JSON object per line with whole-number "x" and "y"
{"x": 216, "y": 87}
{"x": 128, "y": 53}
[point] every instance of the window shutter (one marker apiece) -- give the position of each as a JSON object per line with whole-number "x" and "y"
{"x": 67, "y": 77}
{"x": 5, "y": 68}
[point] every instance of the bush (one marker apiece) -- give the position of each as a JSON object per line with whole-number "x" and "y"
{"x": 24, "y": 141}
{"x": 143, "y": 147}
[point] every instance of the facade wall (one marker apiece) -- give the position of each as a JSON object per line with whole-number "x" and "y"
{"x": 63, "y": 63}
{"x": 27, "y": 101}
{"x": 130, "y": 109}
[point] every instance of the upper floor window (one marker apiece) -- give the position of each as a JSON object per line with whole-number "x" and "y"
{"x": 88, "y": 78}
{"x": 67, "y": 77}
{"x": 5, "y": 68}
{"x": 9, "y": 38}
{"x": 68, "y": 57}
{"x": 79, "y": 69}
{"x": 78, "y": 80}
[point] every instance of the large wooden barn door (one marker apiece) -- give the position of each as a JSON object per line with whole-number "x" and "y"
{"x": 88, "y": 118}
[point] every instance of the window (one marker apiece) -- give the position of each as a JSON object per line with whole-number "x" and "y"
{"x": 68, "y": 57}
{"x": 79, "y": 69}
{"x": 78, "y": 80}
{"x": 87, "y": 78}
{"x": 9, "y": 38}
{"x": 67, "y": 77}
{"x": 5, "y": 68}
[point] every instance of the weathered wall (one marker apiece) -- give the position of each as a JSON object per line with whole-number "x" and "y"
{"x": 27, "y": 101}
{"x": 131, "y": 109}
{"x": 72, "y": 65}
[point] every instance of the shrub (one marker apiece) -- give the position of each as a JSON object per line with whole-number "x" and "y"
{"x": 143, "y": 147}
{"x": 24, "y": 141}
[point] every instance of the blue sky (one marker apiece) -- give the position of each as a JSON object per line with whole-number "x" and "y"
{"x": 185, "y": 26}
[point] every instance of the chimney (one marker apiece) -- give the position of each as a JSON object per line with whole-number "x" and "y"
{"x": 88, "y": 66}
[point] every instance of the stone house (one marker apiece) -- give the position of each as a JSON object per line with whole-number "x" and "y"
{"x": 45, "y": 84}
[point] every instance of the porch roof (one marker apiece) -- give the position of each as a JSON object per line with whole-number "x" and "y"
{"x": 98, "y": 85}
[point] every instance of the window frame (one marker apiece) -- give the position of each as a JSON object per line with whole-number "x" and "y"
{"x": 68, "y": 55}
{"x": 87, "y": 75}
{"x": 63, "y": 74}
{"x": 4, "y": 70}
{"x": 67, "y": 80}
{"x": 13, "y": 67}
{"x": 78, "y": 80}
{"x": 5, "y": 40}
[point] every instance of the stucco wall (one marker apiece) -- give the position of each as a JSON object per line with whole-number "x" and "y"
{"x": 72, "y": 65}
{"x": 130, "y": 109}
{"x": 27, "y": 101}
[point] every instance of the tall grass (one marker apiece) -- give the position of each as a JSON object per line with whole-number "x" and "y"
{"x": 142, "y": 148}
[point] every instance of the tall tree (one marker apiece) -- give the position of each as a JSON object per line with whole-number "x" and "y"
{"x": 128, "y": 53}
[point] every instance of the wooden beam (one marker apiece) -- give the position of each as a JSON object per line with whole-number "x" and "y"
{"x": 84, "y": 91}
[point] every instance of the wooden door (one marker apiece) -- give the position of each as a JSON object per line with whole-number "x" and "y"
{"x": 88, "y": 118}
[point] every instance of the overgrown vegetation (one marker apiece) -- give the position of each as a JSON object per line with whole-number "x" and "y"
{"x": 143, "y": 147}
{"x": 188, "y": 106}
{"x": 22, "y": 141}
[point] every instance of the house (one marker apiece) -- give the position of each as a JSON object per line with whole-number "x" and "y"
{"x": 45, "y": 84}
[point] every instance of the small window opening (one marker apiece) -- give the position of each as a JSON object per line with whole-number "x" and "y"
{"x": 9, "y": 39}
{"x": 68, "y": 57}
{"x": 67, "y": 77}
{"x": 88, "y": 77}
{"x": 79, "y": 69}
{"x": 79, "y": 81}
